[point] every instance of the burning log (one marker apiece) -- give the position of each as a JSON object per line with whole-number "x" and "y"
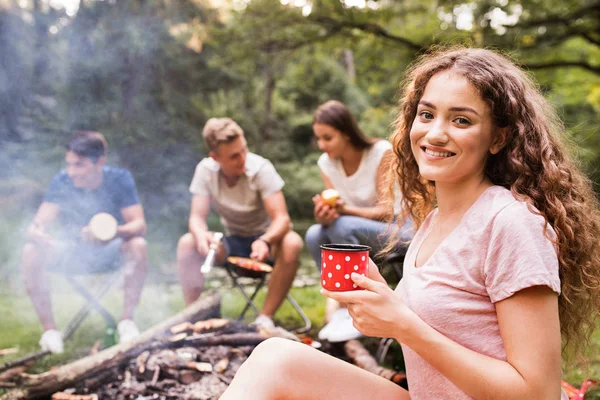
{"x": 102, "y": 366}
{"x": 363, "y": 359}
{"x": 5, "y": 352}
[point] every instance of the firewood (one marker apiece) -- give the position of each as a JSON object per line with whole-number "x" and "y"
{"x": 233, "y": 339}
{"x": 184, "y": 326}
{"x": 43, "y": 385}
{"x": 179, "y": 337}
{"x": 68, "y": 396}
{"x": 363, "y": 359}
{"x": 214, "y": 323}
{"x": 127, "y": 379}
{"x": 221, "y": 365}
{"x": 200, "y": 366}
{"x": 141, "y": 361}
{"x": 11, "y": 350}
{"x": 11, "y": 374}
{"x": 155, "y": 376}
{"x": 189, "y": 376}
{"x": 7, "y": 385}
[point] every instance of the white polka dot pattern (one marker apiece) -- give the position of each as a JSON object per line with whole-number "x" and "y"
{"x": 337, "y": 276}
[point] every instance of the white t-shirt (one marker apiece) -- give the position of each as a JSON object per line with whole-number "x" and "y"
{"x": 240, "y": 206}
{"x": 360, "y": 188}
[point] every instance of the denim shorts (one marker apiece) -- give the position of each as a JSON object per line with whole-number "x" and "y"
{"x": 80, "y": 257}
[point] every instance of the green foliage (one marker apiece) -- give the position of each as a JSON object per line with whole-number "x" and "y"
{"x": 303, "y": 181}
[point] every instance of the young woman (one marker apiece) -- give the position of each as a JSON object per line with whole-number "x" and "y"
{"x": 354, "y": 165}
{"x": 505, "y": 258}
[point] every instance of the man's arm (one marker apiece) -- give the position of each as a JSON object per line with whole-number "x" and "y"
{"x": 280, "y": 219}
{"x": 46, "y": 214}
{"x": 198, "y": 228}
{"x": 135, "y": 223}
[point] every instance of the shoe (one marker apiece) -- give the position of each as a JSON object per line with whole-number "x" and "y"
{"x": 52, "y": 341}
{"x": 264, "y": 322}
{"x": 128, "y": 330}
{"x": 325, "y": 331}
{"x": 342, "y": 329}
{"x": 336, "y": 316}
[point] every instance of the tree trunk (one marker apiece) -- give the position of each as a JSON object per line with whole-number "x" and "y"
{"x": 41, "y": 385}
{"x": 349, "y": 63}
{"x": 266, "y": 133}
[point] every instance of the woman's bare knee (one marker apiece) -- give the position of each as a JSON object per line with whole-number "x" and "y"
{"x": 270, "y": 364}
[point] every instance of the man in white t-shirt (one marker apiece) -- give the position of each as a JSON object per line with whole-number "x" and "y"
{"x": 245, "y": 190}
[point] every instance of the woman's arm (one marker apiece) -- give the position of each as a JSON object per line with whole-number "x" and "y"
{"x": 530, "y": 332}
{"x": 529, "y": 327}
{"x": 324, "y": 214}
{"x": 380, "y": 211}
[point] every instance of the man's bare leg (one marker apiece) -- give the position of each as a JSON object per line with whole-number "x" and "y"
{"x": 36, "y": 280}
{"x": 135, "y": 270}
{"x": 284, "y": 272}
{"x": 189, "y": 261}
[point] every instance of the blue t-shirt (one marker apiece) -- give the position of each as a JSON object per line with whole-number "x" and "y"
{"x": 77, "y": 206}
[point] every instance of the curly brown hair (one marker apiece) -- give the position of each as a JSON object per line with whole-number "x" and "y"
{"x": 534, "y": 164}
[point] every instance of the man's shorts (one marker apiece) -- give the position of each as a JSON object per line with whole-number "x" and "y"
{"x": 80, "y": 257}
{"x": 241, "y": 246}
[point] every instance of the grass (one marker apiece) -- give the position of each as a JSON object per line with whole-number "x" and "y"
{"x": 20, "y": 327}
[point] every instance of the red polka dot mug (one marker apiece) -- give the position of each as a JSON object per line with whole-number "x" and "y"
{"x": 339, "y": 261}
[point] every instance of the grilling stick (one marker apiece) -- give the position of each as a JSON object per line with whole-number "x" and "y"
{"x": 210, "y": 257}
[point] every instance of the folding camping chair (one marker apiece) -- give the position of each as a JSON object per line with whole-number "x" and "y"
{"x": 108, "y": 273}
{"x": 260, "y": 279}
{"x": 93, "y": 299}
{"x": 92, "y": 302}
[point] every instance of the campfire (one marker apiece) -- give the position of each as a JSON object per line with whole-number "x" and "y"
{"x": 198, "y": 362}
{"x": 193, "y": 355}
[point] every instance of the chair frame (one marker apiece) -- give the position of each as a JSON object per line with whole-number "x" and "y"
{"x": 261, "y": 279}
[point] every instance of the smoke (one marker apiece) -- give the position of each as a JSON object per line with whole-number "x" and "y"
{"x": 108, "y": 67}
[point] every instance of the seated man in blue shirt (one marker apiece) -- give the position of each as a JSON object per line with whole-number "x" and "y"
{"x": 75, "y": 195}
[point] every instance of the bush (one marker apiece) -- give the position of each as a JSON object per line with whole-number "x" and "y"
{"x": 302, "y": 181}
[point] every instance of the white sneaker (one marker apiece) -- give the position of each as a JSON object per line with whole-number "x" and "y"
{"x": 341, "y": 329}
{"x": 264, "y": 322}
{"x": 128, "y": 330}
{"x": 52, "y": 341}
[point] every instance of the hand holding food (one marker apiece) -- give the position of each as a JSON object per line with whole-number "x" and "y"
{"x": 102, "y": 227}
{"x": 330, "y": 197}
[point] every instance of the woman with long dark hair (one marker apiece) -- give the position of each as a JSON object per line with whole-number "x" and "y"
{"x": 354, "y": 165}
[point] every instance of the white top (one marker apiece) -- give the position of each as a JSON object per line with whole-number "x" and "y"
{"x": 240, "y": 206}
{"x": 360, "y": 188}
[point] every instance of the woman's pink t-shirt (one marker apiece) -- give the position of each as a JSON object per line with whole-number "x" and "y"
{"x": 497, "y": 249}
